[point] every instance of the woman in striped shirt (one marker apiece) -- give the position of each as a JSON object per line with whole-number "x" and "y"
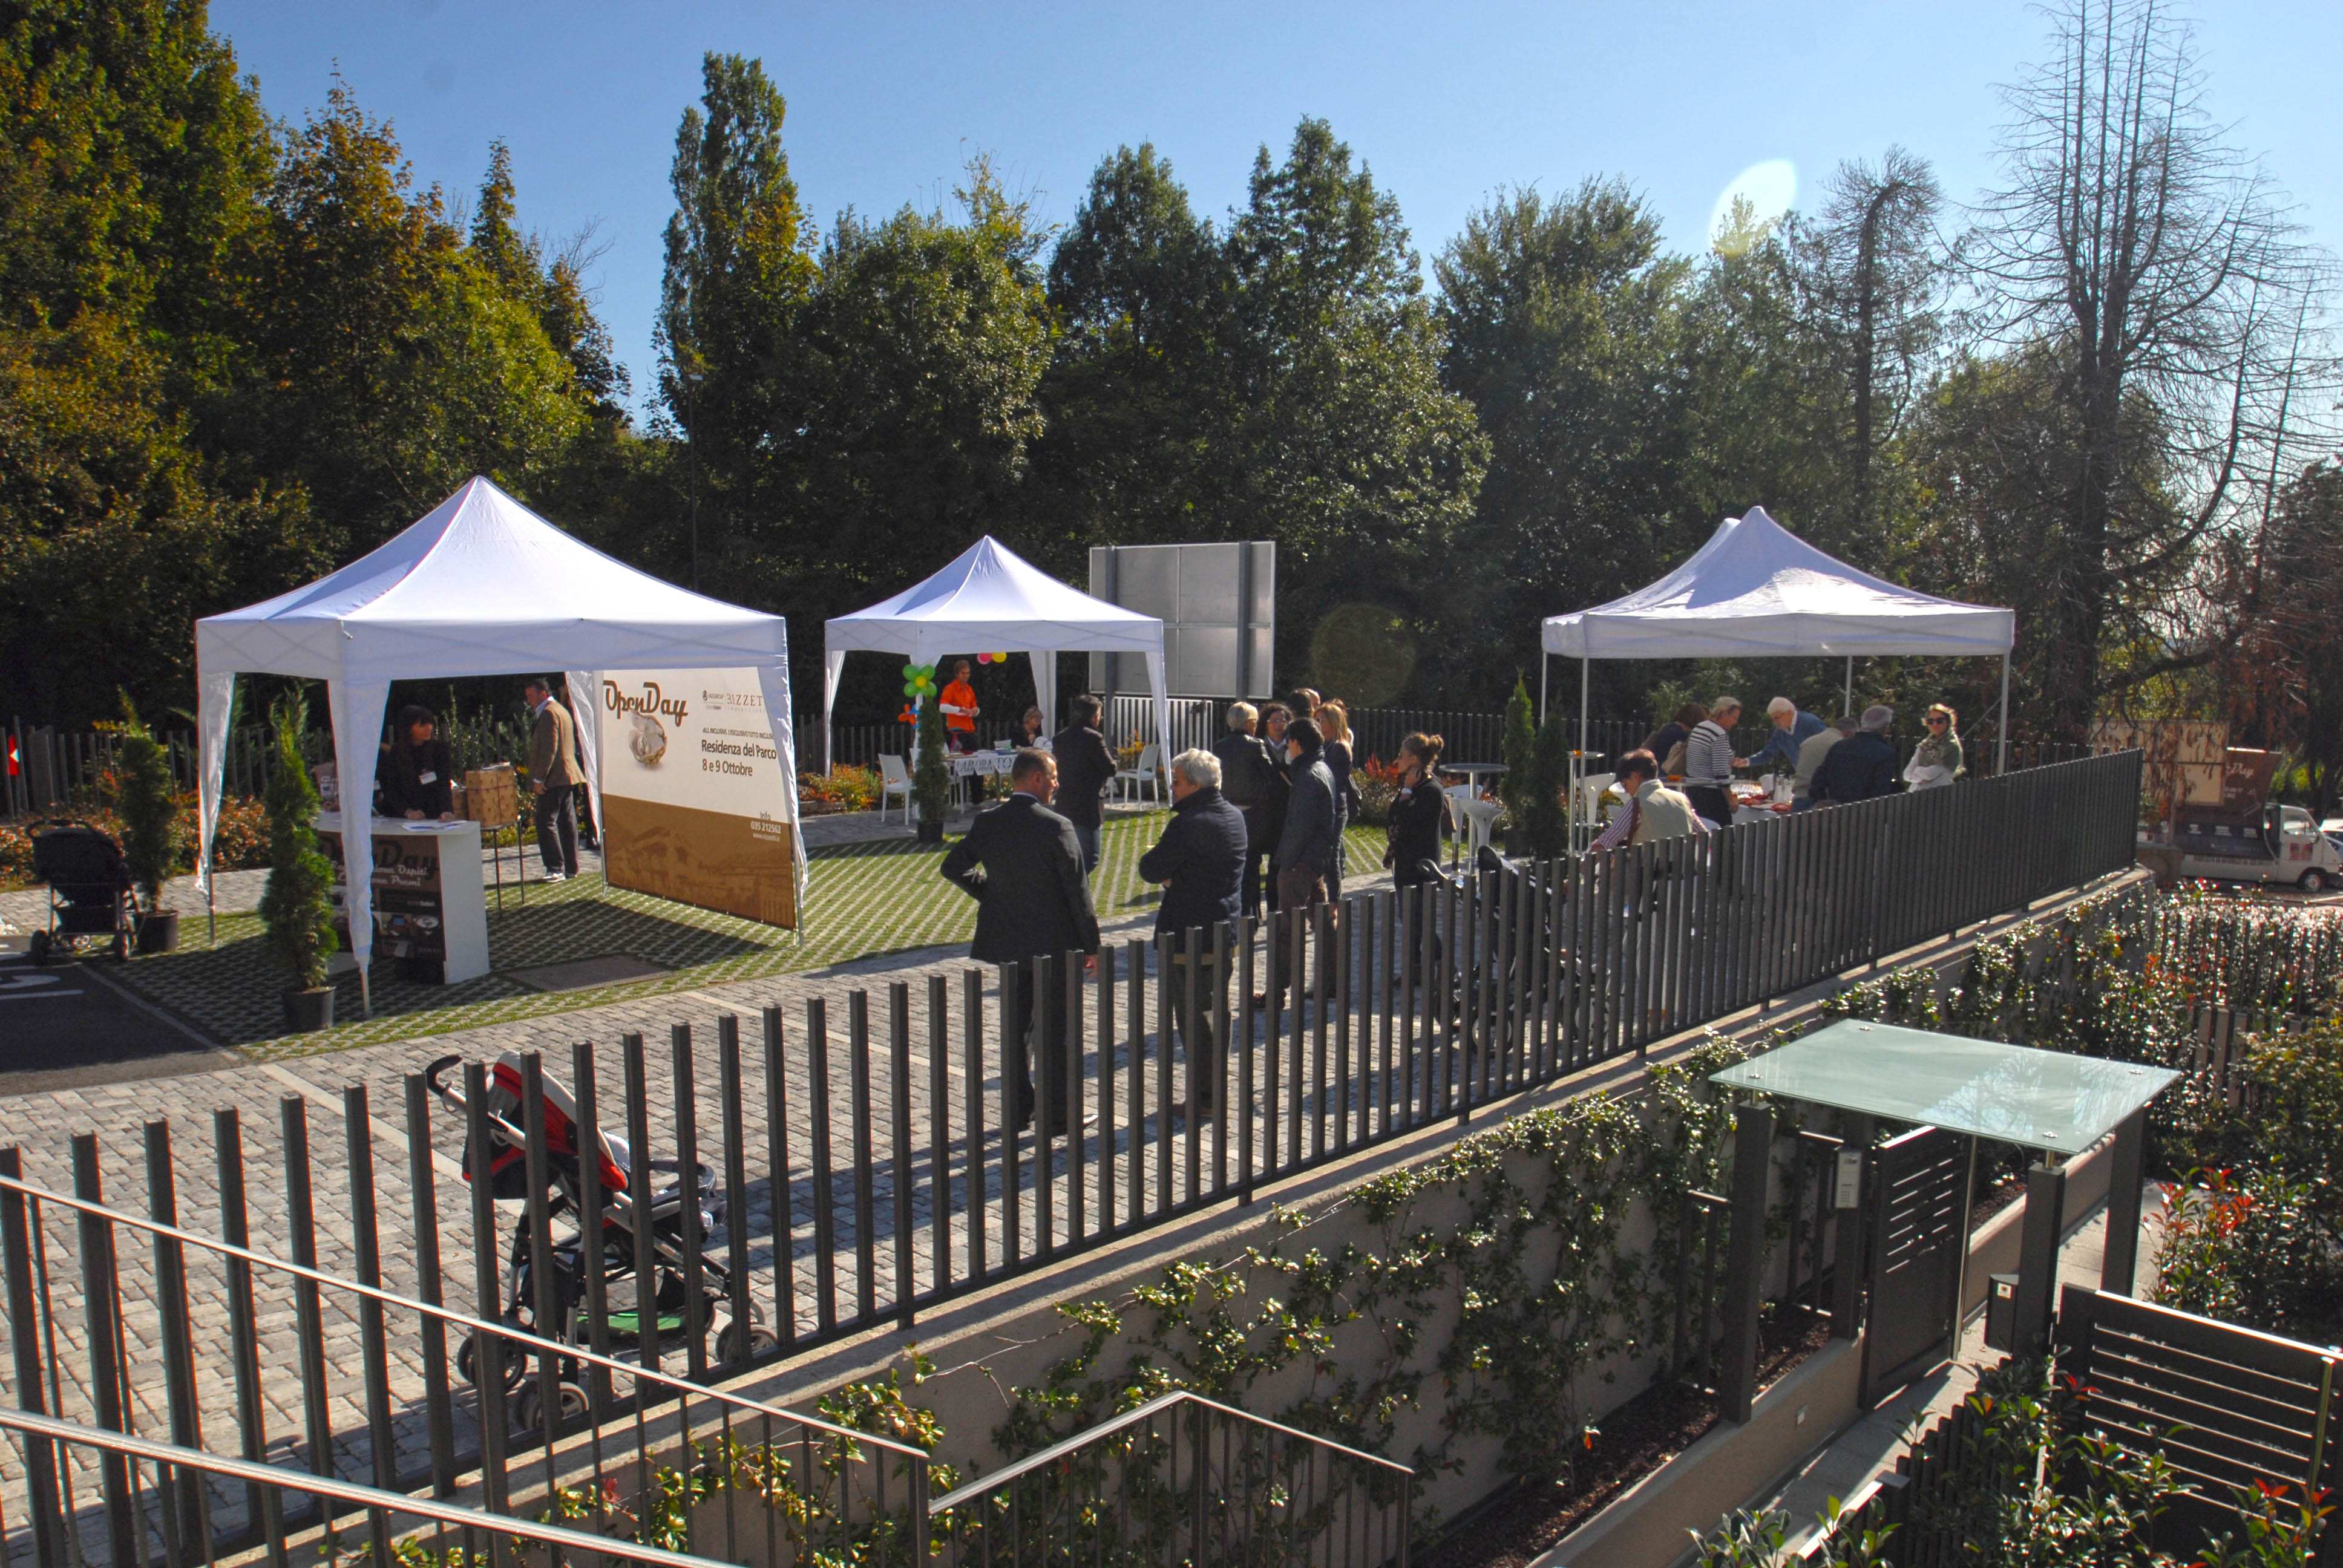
{"x": 1708, "y": 761}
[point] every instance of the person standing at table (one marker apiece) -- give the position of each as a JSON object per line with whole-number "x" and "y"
{"x": 1020, "y": 861}
{"x": 1199, "y": 862}
{"x": 1793, "y": 728}
{"x": 1666, "y": 742}
{"x": 959, "y": 702}
{"x": 553, "y": 774}
{"x": 418, "y": 777}
{"x": 1085, "y": 773}
{"x": 1708, "y": 761}
{"x": 1245, "y": 770}
{"x": 1811, "y": 752}
{"x": 1863, "y": 765}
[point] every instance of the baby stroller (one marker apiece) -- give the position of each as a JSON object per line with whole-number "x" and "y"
{"x": 699, "y": 1203}
{"x": 89, "y": 890}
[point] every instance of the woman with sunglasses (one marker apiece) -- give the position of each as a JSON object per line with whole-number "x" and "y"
{"x": 1938, "y": 759}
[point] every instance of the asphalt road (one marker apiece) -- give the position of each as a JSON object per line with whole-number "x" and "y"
{"x": 68, "y": 1026}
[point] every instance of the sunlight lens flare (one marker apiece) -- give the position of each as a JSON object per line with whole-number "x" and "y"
{"x": 1746, "y": 210}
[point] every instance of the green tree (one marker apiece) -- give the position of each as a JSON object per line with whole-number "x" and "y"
{"x": 1518, "y": 783}
{"x": 1131, "y": 399}
{"x": 148, "y": 804}
{"x": 295, "y": 907}
{"x": 1342, "y": 446}
{"x": 739, "y": 271}
{"x": 554, "y": 288}
{"x": 392, "y": 363}
{"x": 1564, "y": 321}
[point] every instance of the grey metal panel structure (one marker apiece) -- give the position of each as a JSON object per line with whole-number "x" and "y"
{"x": 1218, "y": 603}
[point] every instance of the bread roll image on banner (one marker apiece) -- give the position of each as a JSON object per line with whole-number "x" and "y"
{"x": 697, "y": 803}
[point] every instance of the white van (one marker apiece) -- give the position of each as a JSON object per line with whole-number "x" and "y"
{"x": 2280, "y": 846}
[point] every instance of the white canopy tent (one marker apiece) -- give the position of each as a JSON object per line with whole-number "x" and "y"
{"x": 991, "y": 599}
{"x": 1757, "y": 590}
{"x": 481, "y": 586}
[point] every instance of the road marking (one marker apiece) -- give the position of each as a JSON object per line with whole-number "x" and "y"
{"x": 36, "y": 995}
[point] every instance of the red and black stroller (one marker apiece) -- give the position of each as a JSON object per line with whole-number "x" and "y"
{"x": 675, "y": 1203}
{"x": 89, "y": 892}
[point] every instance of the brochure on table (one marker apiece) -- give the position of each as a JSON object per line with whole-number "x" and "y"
{"x": 428, "y": 907}
{"x": 697, "y": 804}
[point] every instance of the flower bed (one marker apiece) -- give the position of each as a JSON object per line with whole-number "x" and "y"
{"x": 242, "y": 843}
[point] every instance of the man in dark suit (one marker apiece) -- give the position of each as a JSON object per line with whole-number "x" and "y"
{"x": 1085, "y": 770}
{"x": 1200, "y": 863}
{"x": 1031, "y": 899}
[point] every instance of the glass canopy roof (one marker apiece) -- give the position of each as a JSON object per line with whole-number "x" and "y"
{"x": 2014, "y": 1094}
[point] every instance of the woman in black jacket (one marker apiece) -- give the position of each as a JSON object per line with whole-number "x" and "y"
{"x": 1416, "y": 811}
{"x": 416, "y": 777}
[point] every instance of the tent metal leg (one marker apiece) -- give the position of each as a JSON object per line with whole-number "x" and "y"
{"x": 1544, "y": 669}
{"x": 1579, "y": 835}
{"x": 1847, "y": 704}
{"x": 2001, "y": 759}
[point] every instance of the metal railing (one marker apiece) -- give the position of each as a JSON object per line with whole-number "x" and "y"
{"x": 150, "y": 1526}
{"x": 773, "y": 1475}
{"x": 1185, "y": 1480}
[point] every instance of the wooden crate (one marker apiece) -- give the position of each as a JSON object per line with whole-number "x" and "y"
{"x": 492, "y": 796}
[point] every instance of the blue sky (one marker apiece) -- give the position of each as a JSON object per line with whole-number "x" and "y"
{"x": 1445, "y": 103}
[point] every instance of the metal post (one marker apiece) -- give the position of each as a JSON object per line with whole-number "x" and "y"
{"x": 1546, "y": 663}
{"x": 2122, "y": 1203}
{"x": 1846, "y": 1264}
{"x": 2038, "y": 1258}
{"x": 1745, "y": 1267}
{"x": 2001, "y": 759}
{"x": 1847, "y": 702}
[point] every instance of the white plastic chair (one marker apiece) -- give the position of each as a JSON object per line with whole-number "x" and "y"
{"x": 1481, "y": 821}
{"x": 1149, "y": 772}
{"x": 1590, "y": 795}
{"x": 894, "y": 778}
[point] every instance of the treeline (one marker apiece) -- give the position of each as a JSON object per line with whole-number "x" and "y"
{"x": 236, "y": 351}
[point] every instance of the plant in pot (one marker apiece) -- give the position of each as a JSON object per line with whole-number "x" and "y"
{"x": 298, "y": 907}
{"x": 1516, "y": 786}
{"x": 147, "y": 801}
{"x": 1545, "y": 823}
{"x": 930, "y": 779}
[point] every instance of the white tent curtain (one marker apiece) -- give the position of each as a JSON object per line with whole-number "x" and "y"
{"x": 992, "y": 599}
{"x": 481, "y": 586}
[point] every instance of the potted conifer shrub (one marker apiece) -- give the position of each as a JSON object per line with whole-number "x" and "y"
{"x": 930, "y": 779}
{"x": 298, "y": 907}
{"x": 1518, "y": 784}
{"x": 147, "y": 800}
{"x": 1545, "y": 821}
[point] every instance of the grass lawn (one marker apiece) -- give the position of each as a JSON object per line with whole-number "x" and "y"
{"x": 864, "y": 899}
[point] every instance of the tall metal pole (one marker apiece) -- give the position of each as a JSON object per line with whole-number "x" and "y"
{"x": 1847, "y": 706}
{"x": 1546, "y": 663}
{"x": 2001, "y": 761}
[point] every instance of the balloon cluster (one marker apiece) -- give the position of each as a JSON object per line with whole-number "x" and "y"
{"x": 993, "y": 658}
{"x": 919, "y": 681}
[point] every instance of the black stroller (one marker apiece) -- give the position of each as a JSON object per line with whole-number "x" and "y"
{"x": 504, "y": 1165}
{"x": 89, "y": 892}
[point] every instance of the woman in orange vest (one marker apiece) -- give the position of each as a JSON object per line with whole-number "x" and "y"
{"x": 959, "y": 703}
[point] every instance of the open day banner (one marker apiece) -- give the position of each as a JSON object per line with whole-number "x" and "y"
{"x": 696, "y": 804}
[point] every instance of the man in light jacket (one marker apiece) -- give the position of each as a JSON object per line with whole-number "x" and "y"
{"x": 553, "y": 777}
{"x": 1863, "y": 765}
{"x": 1811, "y": 752}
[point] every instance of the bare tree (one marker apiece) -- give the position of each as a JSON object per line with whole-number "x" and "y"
{"x": 2163, "y": 272}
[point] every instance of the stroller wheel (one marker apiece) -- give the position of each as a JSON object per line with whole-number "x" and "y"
{"x": 39, "y": 949}
{"x": 468, "y": 1363}
{"x": 529, "y": 1406}
{"x": 761, "y": 1340}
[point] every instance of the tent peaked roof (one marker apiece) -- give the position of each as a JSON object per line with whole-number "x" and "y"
{"x": 1757, "y": 590}
{"x": 991, "y": 598}
{"x": 482, "y": 585}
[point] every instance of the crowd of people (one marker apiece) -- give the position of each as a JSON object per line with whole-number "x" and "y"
{"x": 1257, "y": 825}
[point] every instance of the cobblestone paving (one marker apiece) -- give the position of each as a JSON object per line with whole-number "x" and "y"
{"x": 862, "y": 1223}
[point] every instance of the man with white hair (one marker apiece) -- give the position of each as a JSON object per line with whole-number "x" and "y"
{"x": 1200, "y": 863}
{"x": 1793, "y": 727}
